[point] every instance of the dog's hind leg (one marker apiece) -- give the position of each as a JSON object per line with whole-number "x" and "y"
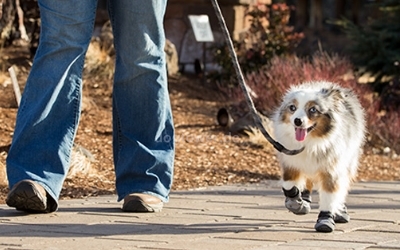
{"x": 292, "y": 186}
{"x": 306, "y": 193}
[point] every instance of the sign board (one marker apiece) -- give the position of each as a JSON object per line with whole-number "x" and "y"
{"x": 201, "y": 28}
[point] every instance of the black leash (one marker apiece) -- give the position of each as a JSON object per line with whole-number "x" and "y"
{"x": 244, "y": 87}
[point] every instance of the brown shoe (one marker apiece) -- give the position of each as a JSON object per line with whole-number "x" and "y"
{"x": 30, "y": 197}
{"x": 138, "y": 202}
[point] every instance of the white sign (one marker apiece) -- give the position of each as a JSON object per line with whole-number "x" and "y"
{"x": 201, "y": 28}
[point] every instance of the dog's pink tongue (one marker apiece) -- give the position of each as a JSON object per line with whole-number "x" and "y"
{"x": 301, "y": 134}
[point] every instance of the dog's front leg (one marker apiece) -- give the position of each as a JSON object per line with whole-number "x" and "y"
{"x": 332, "y": 193}
{"x": 297, "y": 200}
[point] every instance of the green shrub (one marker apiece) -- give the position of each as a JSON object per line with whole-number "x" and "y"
{"x": 375, "y": 46}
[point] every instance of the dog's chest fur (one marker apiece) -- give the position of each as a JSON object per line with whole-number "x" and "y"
{"x": 324, "y": 118}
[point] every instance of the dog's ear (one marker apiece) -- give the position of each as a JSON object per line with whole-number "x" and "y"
{"x": 333, "y": 92}
{"x": 325, "y": 91}
{"x": 338, "y": 97}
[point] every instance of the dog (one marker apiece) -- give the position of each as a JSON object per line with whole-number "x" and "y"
{"x": 328, "y": 120}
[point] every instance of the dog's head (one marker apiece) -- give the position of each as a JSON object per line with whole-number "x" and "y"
{"x": 308, "y": 108}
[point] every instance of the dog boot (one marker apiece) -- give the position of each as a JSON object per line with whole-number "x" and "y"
{"x": 342, "y": 216}
{"x": 325, "y": 222}
{"x": 306, "y": 195}
{"x": 295, "y": 203}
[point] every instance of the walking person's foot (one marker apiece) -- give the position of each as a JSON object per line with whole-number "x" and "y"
{"x": 30, "y": 197}
{"x": 138, "y": 202}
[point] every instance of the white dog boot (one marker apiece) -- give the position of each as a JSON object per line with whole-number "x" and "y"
{"x": 325, "y": 222}
{"x": 342, "y": 216}
{"x": 295, "y": 203}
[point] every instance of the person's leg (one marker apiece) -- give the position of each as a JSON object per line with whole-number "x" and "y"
{"x": 50, "y": 107}
{"x": 143, "y": 133}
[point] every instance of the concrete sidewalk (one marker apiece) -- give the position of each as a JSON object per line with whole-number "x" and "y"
{"x": 227, "y": 217}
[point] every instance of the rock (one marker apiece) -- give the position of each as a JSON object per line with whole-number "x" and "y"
{"x": 172, "y": 58}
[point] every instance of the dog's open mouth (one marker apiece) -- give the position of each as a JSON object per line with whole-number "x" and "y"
{"x": 301, "y": 133}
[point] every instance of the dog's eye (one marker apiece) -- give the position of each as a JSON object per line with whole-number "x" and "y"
{"x": 292, "y": 108}
{"x": 313, "y": 110}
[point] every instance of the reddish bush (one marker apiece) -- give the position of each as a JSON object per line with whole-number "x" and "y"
{"x": 271, "y": 82}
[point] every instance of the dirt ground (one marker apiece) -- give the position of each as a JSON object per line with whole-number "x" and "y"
{"x": 206, "y": 154}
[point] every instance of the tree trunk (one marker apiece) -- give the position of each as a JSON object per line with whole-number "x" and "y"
{"x": 7, "y": 19}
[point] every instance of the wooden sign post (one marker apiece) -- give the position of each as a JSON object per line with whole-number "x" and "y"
{"x": 203, "y": 33}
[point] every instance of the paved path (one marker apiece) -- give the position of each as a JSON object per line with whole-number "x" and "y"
{"x": 227, "y": 217}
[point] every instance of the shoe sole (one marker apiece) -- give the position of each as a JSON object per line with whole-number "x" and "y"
{"x": 323, "y": 228}
{"x": 325, "y": 222}
{"x": 297, "y": 207}
{"x": 26, "y": 197}
{"x": 140, "y": 206}
{"x": 342, "y": 218}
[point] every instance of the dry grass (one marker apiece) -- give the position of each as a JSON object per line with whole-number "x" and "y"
{"x": 206, "y": 154}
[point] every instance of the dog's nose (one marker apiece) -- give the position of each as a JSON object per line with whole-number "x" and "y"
{"x": 297, "y": 122}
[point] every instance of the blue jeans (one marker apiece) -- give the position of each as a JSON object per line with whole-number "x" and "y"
{"x": 49, "y": 113}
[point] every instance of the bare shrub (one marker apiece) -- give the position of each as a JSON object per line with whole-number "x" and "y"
{"x": 81, "y": 162}
{"x": 269, "y": 35}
